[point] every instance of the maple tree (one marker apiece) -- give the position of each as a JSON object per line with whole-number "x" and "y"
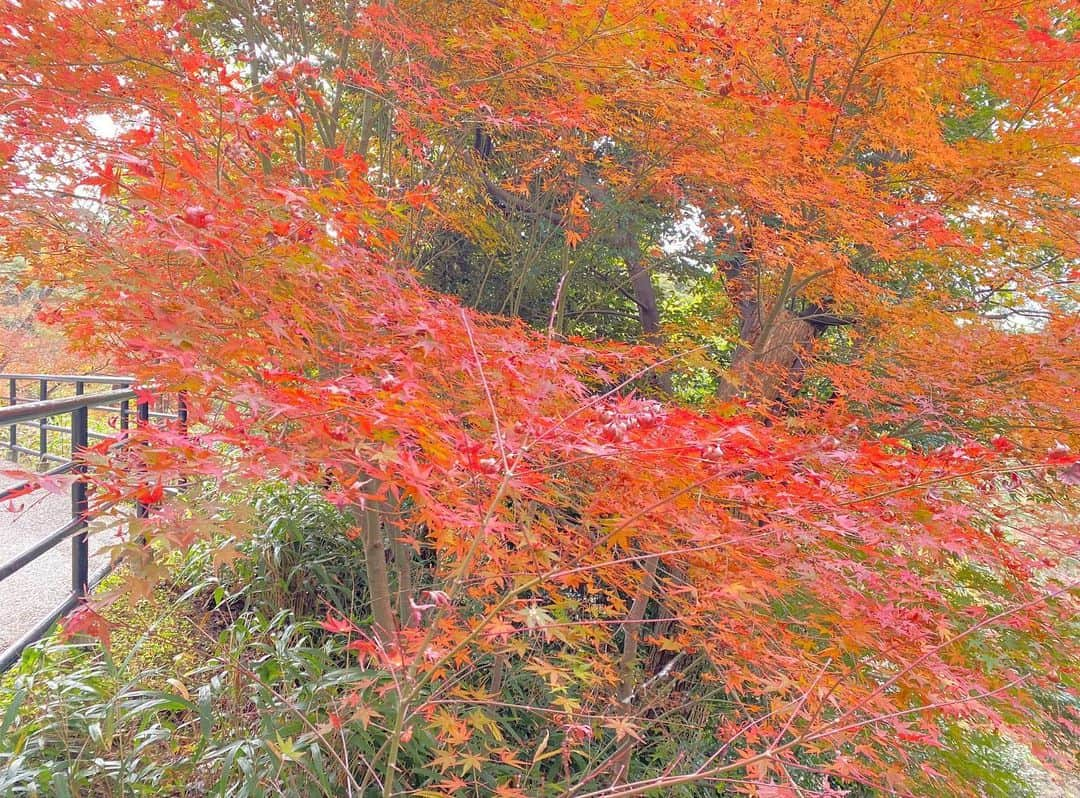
{"x": 684, "y": 364}
{"x": 27, "y": 344}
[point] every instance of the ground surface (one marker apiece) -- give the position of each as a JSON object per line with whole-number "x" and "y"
{"x": 32, "y": 592}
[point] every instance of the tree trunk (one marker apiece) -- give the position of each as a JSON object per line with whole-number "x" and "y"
{"x": 641, "y": 284}
{"x": 382, "y": 609}
{"x": 626, "y": 242}
{"x": 768, "y": 361}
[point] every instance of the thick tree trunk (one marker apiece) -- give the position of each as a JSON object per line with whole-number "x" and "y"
{"x": 643, "y": 291}
{"x": 641, "y": 284}
{"x": 378, "y": 576}
{"x": 768, "y": 361}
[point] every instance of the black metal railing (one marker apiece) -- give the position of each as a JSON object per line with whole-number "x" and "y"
{"x": 40, "y": 413}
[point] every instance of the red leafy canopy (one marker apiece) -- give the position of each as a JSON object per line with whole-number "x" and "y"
{"x": 251, "y": 238}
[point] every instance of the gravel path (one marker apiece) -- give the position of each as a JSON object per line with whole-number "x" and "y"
{"x": 31, "y": 593}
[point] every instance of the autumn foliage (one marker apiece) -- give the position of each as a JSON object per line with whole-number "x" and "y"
{"x": 686, "y": 365}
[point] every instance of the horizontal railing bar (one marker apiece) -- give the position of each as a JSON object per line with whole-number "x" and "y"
{"x": 53, "y": 472}
{"x": 55, "y": 428}
{"x": 101, "y": 573}
{"x": 16, "y": 414}
{"x": 52, "y": 458}
{"x": 22, "y": 449}
{"x": 154, "y": 414}
{"x": 36, "y": 425}
{"x": 15, "y": 650}
{"x": 60, "y": 428}
{"x": 151, "y": 414}
{"x": 96, "y": 379}
{"x": 5, "y": 402}
{"x": 27, "y": 556}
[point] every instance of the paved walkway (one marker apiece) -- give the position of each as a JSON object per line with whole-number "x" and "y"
{"x": 31, "y": 593}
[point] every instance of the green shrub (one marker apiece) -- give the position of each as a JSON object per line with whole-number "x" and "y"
{"x": 233, "y": 702}
{"x": 299, "y": 556}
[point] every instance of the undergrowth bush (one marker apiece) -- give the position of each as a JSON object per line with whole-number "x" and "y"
{"x": 299, "y": 555}
{"x": 221, "y": 683}
{"x": 227, "y": 682}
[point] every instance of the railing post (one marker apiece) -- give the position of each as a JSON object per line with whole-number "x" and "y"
{"x": 182, "y": 422}
{"x": 80, "y": 546}
{"x": 142, "y": 414}
{"x": 124, "y": 411}
{"x": 13, "y": 430}
{"x": 75, "y": 530}
{"x": 182, "y": 410}
{"x": 43, "y": 434}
